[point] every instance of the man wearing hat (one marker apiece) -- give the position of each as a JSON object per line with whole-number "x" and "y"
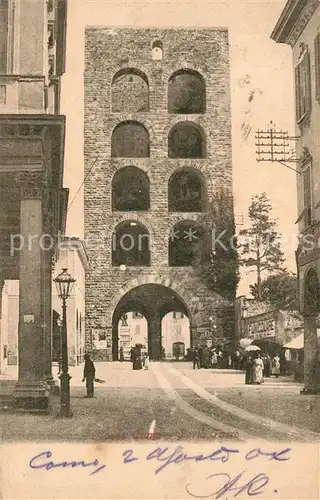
{"x": 89, "y": 373}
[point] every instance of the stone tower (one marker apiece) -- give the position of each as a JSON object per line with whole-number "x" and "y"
{"x": 157, "y": 147}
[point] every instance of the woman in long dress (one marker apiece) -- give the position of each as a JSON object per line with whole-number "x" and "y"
{"x": 276, "y": 366}
{"x": 258, "y": 370}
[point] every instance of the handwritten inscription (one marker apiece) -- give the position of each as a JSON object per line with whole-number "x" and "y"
{"x": 41, "y": 462}
{"x": 222, "y": 454}
{"x": 215, "y": 486}
{"x": 225, "y": 483}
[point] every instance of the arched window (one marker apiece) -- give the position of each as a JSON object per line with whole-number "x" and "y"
{"x": 131, "y": 245}
{"x": 130, "y": 92}
{"x": 312, "y": 294}
{"x": 130, "y": 139}
{"x": 186, "y": 140}
{"x": 186, "y": 191}
{"x": 157, "y": 50}
{"x": 130, "y": 190}
{"x": 186, "y": 92}
{"x": 183, "y": 243}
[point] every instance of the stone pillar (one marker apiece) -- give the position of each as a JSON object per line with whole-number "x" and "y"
{"x": 47, "y": 309}
{"x": 311, "y": 357}
{"x": 31, "y": 391}
{"x": 154, "y": 336}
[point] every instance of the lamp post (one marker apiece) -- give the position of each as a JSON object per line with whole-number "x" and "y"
{"x": 64, "y": 283}
{"x": 59, "y": 324}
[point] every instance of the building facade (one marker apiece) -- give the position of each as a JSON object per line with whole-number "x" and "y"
{"x": 33, "y": 200}
{"x": 157, "y": 149}
{"x": 175, "y": 330}
{"x": 298, "y": 26}
{"x": 72, "y": 255}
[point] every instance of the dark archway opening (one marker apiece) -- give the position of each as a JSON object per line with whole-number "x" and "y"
{"x": 130, "y": 139}
{"x": 186, "y": 92}
{"x": 131, "y": 245}
{"x": 186, "y": 140}
{"x": 186, "y": 191}
{"x": 130, "y": 190}
{"x": 311, "y": 294}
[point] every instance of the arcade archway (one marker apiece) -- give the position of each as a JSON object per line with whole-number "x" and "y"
{"x": 153, "y": 302}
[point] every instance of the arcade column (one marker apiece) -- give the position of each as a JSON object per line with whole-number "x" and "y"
{"x": 311, "y": 357}
{"x": 31, "y": 391}
{"x": 154, "y": 336}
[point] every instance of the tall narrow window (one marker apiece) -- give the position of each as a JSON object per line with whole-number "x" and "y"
{"x": 307, "y": 195}
{"x": 303, "y": 86}
{"x": 3, "y": 35}
{"x": 317, "y": 65}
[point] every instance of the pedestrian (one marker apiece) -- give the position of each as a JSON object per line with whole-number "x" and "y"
{"x": 136, "y": 358}
{"x": 89, "y": 373}
{"x": 257, "y": 372}
{"x": 200, "y": 352}
{"x": 275, "y": 366}
{"x": 214, "y": 358}
{"x": 196, "y": 358}
{"x": 121, "y": 354}
{"x": 236, "y": 362}
{"x": 248, "y": 367}
{"x": 206, "y": 357}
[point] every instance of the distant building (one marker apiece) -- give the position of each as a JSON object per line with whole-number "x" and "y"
{"x": 299, "y": 27}
{"x": 72, "y": 255}
{"x": 133, "y": 329}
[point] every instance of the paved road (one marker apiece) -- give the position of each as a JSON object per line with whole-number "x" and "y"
{"x": 170, "y": 401}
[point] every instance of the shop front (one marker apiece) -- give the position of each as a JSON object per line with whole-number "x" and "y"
{"x": 271, "y": 331}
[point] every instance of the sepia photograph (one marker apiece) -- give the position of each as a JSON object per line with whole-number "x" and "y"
{"x": 159, "y": 249}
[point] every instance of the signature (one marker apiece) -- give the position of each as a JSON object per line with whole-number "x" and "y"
{"x": 224, "y": 483}
{"x": 41, "y": 462}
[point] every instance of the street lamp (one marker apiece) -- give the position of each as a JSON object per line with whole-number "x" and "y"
{"x": 64, "y": 283}
{"x": 59, "y": 324}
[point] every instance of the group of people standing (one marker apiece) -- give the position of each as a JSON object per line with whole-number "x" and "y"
{"x": 261, "y": 366}
{"x": 139, "y": 358}
{"x": 215, "y": 357}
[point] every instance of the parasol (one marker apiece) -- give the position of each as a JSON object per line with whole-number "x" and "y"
{"x": 252, "y": 348}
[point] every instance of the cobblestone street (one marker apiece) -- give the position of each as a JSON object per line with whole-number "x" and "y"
{"x": 173, "y": 402}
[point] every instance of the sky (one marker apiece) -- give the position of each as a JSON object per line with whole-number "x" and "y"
{"x": 259, "y": 67}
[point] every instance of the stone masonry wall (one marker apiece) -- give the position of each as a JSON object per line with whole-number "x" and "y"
{"x": 107, "y": 51}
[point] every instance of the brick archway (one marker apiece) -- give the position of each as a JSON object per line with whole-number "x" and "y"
{"x": 151, "y": 279}
{"x": 153, "y": 300}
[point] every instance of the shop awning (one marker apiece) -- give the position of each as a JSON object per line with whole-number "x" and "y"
{"x": 297, "y": 343}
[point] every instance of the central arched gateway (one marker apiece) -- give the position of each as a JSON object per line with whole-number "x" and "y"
{"x": 153, "y": 302}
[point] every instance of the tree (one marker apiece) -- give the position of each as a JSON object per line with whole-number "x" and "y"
{"x": 261, "y": 248}
{"x": 217, "y": 258}
{"x": 280, "y": 290}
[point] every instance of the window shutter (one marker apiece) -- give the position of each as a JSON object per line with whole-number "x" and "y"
{"x": 306, "y": 176}
{"x": 317, "y": 64}
{"x": 308, "y": 83}
{"x": 3, "y": 36}
{"x": 297, "y": 88}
